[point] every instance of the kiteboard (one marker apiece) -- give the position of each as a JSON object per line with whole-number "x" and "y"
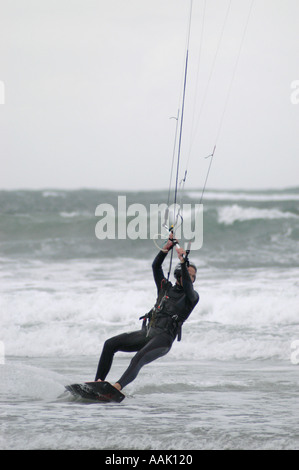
{"x": 96, "y": 391}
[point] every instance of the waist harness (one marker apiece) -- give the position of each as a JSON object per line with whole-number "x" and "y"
{"x": 163, "y": 315}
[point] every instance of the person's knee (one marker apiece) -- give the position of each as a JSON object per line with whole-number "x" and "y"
{"x": 110, "y": 346}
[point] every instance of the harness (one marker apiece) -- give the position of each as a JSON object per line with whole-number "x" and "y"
{"x": 158, "y": 317}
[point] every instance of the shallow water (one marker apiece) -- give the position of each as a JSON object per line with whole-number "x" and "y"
{"x": 188, "y": 406}
{"x": 231, "y": 383}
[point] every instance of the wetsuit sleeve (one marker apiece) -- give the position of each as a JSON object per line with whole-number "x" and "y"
{"x": 191, "y": 294}
{"x": 157, "y": 269}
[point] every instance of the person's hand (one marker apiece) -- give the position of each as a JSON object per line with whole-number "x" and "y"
{"x": 181, "y": 253}
{"x": 170, "y": 242}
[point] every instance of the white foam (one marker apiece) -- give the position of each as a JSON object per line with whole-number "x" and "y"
{"x": 37, "y": 383}
{"x": 53, "y": 194}
{"x": 229, "y": 214}
{"x": 243, "y": 196}
{"x": 70, "y": 215}
{"x": 71, "y": 309}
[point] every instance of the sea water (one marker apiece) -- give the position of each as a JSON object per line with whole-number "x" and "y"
{"x": 233, "y": 380}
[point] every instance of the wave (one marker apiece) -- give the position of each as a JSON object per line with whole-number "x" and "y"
{"x": 262, "y": 196}
{"x": 228, "y": 215}
{"x": 70, "y": 215}
{"x": 53, "y": 194}
{"x": 51, "y": 225}
{"x": 71, "y": 309}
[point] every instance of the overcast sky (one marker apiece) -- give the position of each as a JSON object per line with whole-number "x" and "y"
{"x": 91, "y": 86}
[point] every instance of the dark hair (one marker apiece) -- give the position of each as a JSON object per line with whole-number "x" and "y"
{"x": 178, "y": 269}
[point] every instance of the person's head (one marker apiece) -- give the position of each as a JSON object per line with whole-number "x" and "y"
{"x": 191, "y": 269}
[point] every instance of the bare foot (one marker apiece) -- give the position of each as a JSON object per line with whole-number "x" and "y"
{"x": 117, "y": 386}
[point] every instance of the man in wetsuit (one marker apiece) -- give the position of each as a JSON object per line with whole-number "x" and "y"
{"x": 173, "y": 306}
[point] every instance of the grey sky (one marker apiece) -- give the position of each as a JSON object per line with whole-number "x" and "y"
{"x": 91, "y": 85}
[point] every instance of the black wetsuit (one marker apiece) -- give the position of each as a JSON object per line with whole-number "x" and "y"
{"x": 173, "y": 306}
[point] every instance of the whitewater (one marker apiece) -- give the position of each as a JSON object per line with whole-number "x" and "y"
{"x": 63, "y": 292}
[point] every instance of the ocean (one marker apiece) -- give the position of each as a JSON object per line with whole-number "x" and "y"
{"x": 233, "y": 380}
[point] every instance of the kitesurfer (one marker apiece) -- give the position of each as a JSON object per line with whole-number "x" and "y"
{"x": 161, "y": 325}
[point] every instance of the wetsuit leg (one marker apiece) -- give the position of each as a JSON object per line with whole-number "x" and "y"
{"x": 157, "y": 347}
{"x": 125, "y": 342}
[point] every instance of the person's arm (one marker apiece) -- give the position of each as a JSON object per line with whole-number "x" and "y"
{"x": 157, "y": 268}
{"x": 158, "y": 261}
{"x": 187, "y": 284}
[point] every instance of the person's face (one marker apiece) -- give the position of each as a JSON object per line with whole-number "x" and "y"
{"x": 192, "y": 274}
